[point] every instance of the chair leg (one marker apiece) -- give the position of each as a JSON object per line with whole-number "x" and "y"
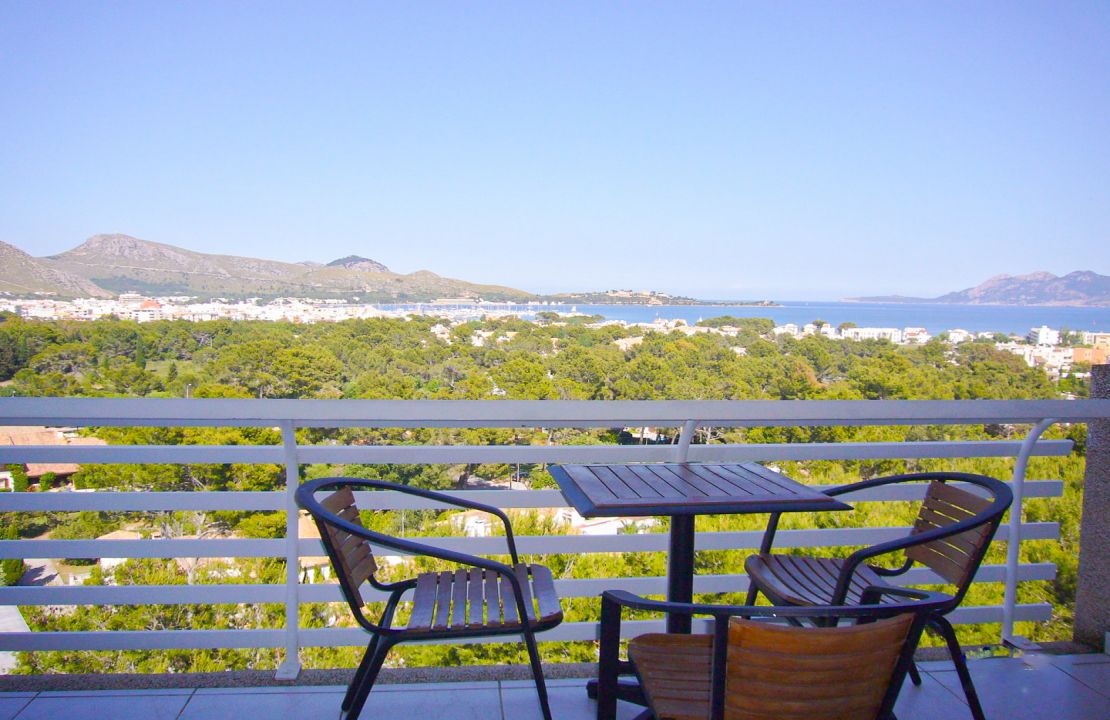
{"x": 915, "y": 676}
{"x": 960, "y": 661}
{"x": 360, "y": 673}
{"x": 537, "y": 671}
{"x": 753, "y": 593}
{"x": 365, "y": 683}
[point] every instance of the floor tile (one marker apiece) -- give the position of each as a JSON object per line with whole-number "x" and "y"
{"x": 115, "y": 693}
{"x": 929, "y": 701}
{"x": 99, "y": 707}
{"x": 1091, "y": 670}
{"x": 567, "y": 703}
{"x": 1029, "y": 687}
{"x": 435, "y": 687}
{"x": 483, "y": 703}
{"x": 292, "y": 690}
{"x": 452, "y": 704}
{"x": 262, "y": 706}
{"x": 12, "y": 703}
{"x": 551, "y": 683}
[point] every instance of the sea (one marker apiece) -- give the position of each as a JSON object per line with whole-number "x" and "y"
{"x": 935, "y": 318}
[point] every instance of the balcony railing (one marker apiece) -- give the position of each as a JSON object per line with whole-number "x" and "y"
{"x": 290, "y": 415}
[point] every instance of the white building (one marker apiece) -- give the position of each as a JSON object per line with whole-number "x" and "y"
{"x": 788, "y": 329}
{"x": 917, "y": 335}
{"x": 857, "y": 333}
{"x": 1044, "y": 335}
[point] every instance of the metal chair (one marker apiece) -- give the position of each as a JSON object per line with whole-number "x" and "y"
{"x": 479, "y": 599}
{"x": 953, "y": 530}
{"x": 756, "y": 669}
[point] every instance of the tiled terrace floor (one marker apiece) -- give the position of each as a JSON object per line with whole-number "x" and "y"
{"x": 1061, "y": 687}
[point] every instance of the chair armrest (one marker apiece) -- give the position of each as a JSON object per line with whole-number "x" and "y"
{"x": 919, "y": 598}
{"x": 306, "y": 500}
{"x": 623, "y": 598}
{"x": 872, "y": 594}
{"x": 891, "y": 572}
{"x": 417, "y": 548}
{"x": 461, "y": 502}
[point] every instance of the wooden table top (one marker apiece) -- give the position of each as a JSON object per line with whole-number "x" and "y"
{"x": 685, "y": 489}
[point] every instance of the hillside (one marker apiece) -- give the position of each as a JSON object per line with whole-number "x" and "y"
{"x": 355, "y": 262}
{"x": 109, "y": 264}
{"x": 22, "y": 274}
{"x": 1081, "y": 289}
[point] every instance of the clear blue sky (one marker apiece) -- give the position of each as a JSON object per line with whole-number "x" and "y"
{"x": 731, "y": 150}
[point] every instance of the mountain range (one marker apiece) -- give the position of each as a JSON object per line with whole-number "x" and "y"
{"x": 1080, "y": 288}
{"x": 105, "y": 265}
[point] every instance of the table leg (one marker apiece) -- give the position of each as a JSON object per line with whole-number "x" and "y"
{"x": 680, "y": 570}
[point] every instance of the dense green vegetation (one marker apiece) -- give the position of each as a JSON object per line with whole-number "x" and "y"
{"x": 549, "y": 359}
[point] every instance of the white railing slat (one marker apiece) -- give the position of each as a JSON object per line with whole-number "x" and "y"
{"x": 274, "y": 501}
{"x": 329, "y": 592}
{"x": 161, "y": 412}
{"x": 456, "y": 454}
{"x": 528, "y": 544}
{"x": 338, "y": 637}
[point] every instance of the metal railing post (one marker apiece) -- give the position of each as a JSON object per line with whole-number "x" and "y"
{"x": 1013, "y": 540}
{"x": 291, "y": 666}
{"x": 682, "y": 450}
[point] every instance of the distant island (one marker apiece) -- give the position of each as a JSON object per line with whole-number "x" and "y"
{"x": 1077, "y": 289}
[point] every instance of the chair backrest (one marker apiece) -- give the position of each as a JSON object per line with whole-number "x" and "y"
{"x": 955, "y": 558}
{"x": 782, "y": 671}
{"x": 351, "y": 555}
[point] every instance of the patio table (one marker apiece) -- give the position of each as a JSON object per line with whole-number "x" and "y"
{"x": 682, "y": 491}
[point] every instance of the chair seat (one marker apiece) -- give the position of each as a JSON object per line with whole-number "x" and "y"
{"x": 477, "y": 599}
{"x": 675, "y": 673}
{"x": 797, "y": 580}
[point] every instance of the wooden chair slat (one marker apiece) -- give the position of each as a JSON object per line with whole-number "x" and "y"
{"x": 475, "y": 615}
{"x": 443, "y": 600}
{"x": 543, "y": 587}
{"x": 956, "y": 497}
{"x": 521, "y": 572}
{"x": 354, "y": 549}
{"x": 423, "y": 602}
{"x": 351, "y": 514}
{"x": 674, "y": 670}
{"x": 493, "y": 602}
{"x": 818, "y": 579}
{"x": 508, "y": 602}
{"x": 968, "y": 540}
{"x": 458, "y": 598}
{"x": 955, "y": 553}
{"x": 933, "y": 556}
{"x": 361, "y": 572}
{"x": 338, "y": 500}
